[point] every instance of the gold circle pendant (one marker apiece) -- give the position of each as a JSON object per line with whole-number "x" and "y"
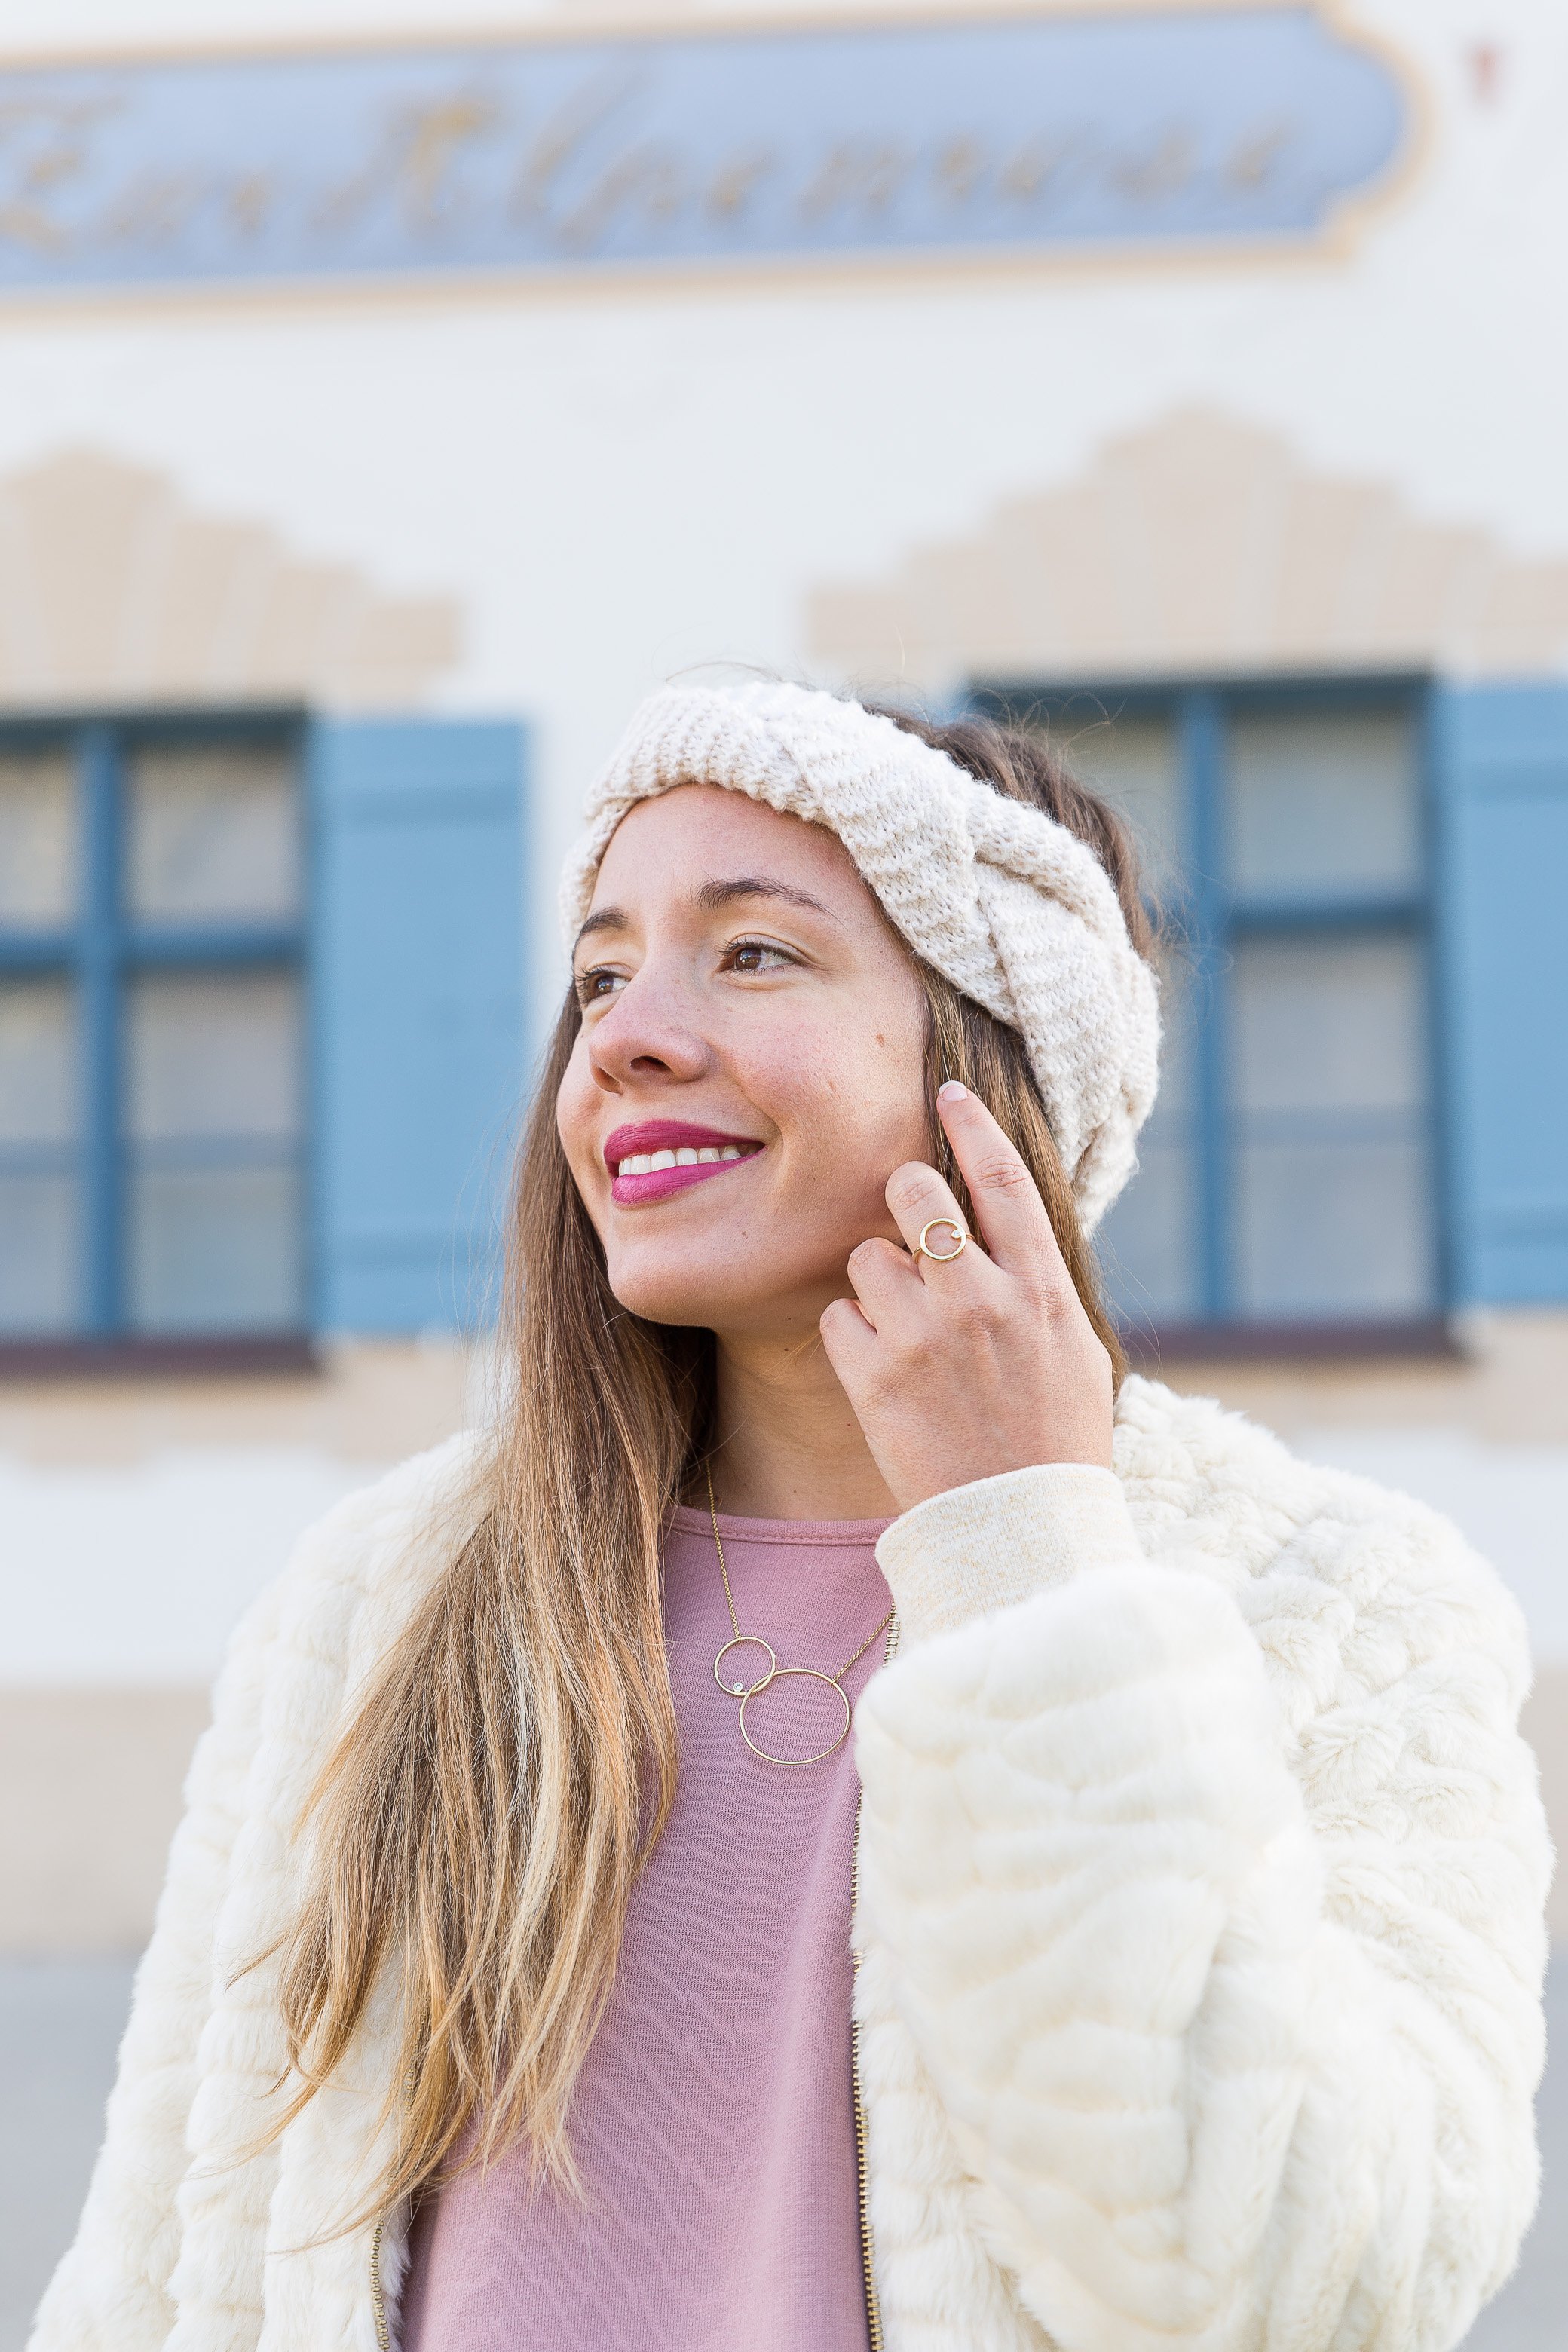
{"x": 813, "y": 1674}
{"x": 745, "y": 1690}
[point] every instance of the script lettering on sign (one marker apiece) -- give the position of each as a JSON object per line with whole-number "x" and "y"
{"x": 1219, "y": 126}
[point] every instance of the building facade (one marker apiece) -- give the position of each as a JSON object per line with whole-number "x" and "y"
{"x": 382, "y": 412}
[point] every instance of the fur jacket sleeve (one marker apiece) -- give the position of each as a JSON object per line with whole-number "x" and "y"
{"x": 1204, "y": 1867}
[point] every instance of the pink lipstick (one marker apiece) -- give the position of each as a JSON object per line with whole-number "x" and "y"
{"x": 654, "y": 1157}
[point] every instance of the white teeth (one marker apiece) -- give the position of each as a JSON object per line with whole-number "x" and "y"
{"x": 644, "y": 1163}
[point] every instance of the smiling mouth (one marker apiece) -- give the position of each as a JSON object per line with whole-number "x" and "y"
{"x": 657, "y": 1158}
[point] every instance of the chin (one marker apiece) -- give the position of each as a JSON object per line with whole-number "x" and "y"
{"x": 685, "y": 1296}
{"x": 692, "y": 1292}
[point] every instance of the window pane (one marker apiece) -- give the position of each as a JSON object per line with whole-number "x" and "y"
{"x": 38, "y": 839}
{"x": 215, "y": 1249}
{"x": 1133, "y": 764}
{"x": 39, "y": 1194}
{"x": 40, "y": 1254}
{"x": 214, "y": 834}
{"x": 1147, "y": 1245}
{"x": 1328, "y": 1024}
{"x": 214, "y": 1115}
{"x": 1332, "y": 1184}
{"x": 1323, "y": 801}
{"x": 38, "y": 1088}
{"x": 214, "y": 1055}
{"x": 1332, "y": 1229}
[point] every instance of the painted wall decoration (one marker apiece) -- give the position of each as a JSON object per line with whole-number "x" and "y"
{"x": 1060, "y": 133}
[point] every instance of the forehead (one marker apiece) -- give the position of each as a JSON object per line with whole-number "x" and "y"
{"x": 699, "y": 832}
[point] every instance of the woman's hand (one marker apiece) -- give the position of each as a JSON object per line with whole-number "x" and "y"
{"x": 988, "y": 1363}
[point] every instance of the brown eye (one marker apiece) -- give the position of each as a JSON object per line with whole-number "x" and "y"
{"x": 594, "y": 986}
{"x": 756, "y": 955}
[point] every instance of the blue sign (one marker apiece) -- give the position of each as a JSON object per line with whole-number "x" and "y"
{"x": 1049, "y": 133}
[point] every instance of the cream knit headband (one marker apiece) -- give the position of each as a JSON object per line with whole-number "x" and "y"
{"x": 1009, "y": 905}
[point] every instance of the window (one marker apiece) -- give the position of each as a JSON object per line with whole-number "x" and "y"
{"x": 1288, "y": 1174}
{"x": 151, "y": 1029}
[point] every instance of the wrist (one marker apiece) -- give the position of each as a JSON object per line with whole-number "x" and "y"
{"x": 927, "y": 1479}
{"x": 971, "y": 1550}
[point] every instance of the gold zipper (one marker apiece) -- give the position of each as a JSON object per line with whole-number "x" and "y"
{"x": 873, "y": 2309}
{"x": 377, "y": 2293}
{"x": 868, "y": 2262}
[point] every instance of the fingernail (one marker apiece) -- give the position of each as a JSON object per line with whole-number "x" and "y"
{"x": 952, "y": 1090}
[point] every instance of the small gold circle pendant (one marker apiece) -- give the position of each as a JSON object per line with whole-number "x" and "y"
{"x": 813, "y": 1674}
{"x": 742, "y": 1690}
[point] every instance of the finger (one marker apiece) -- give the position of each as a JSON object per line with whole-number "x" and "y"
{"x": 917, "y": 1198}
{"x": 1008, "y": 1209}
{"x": 849, "y": 1342}
{"x": 882, "y": 1275}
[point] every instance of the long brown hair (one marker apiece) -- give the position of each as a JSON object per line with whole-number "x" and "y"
{"x": 481, "y": 1823}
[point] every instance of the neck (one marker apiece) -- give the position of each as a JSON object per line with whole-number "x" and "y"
{"x": 789, "y": 1444}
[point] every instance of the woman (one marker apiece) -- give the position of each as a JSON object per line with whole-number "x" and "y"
{"x": 501, "y": 1991}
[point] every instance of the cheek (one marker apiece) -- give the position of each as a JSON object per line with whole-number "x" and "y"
{"x": 576, "y": 1110}
{"x": 851, "y": 1101}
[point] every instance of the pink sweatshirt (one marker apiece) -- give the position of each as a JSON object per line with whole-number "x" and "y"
{"x": 714, "y": 2119}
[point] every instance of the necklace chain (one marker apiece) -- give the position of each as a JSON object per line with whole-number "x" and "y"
{"x": 745, "y": 1692}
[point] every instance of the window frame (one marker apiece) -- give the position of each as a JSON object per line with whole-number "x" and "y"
{"x": 100, "y": 951}
{"x": 1215, "y": 915}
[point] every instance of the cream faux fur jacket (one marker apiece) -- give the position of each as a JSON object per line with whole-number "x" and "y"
{"x": 1199, "y": 1929}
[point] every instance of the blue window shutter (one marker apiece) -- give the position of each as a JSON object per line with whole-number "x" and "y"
{"x": 416, "y": 965}
{"x": 1501, "y": 760}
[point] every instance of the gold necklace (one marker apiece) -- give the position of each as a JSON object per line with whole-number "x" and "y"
{"x": 745, "y": 1692}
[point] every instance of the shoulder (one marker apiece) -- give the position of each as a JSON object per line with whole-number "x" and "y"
{"x": 303, "y": 1651}
{"x": 426, "y": 1500}
{"x": 360, "y": 1569}
{"x": 1194, "y": 1473}
{"x": 1320, "y": 1560}
{"x": 1206, "y": 1479}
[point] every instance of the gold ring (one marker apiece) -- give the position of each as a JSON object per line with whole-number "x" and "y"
{"x": 941, "y": 1257}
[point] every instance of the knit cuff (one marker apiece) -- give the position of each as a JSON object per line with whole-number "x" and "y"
{"x": 977, "y": 1549}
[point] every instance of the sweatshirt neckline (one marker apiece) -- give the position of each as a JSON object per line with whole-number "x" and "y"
{"x": 862, "y": 1534}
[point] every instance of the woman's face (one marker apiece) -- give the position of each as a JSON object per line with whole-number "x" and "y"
{"x": 747, "y": 1009}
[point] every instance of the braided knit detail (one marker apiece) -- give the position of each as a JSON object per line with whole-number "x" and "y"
{"x": 1009, "y": 905}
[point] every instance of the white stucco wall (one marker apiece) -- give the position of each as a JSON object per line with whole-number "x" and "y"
{"x": 618, "y": 482}
{"x": 135, "y": 1574}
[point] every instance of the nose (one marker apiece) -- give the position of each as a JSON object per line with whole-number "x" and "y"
{"x": 648, "y": 1033}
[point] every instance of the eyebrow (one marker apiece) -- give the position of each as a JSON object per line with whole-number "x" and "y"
{"x": 714, "y": 898}
{"x": 605, "y": 919}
